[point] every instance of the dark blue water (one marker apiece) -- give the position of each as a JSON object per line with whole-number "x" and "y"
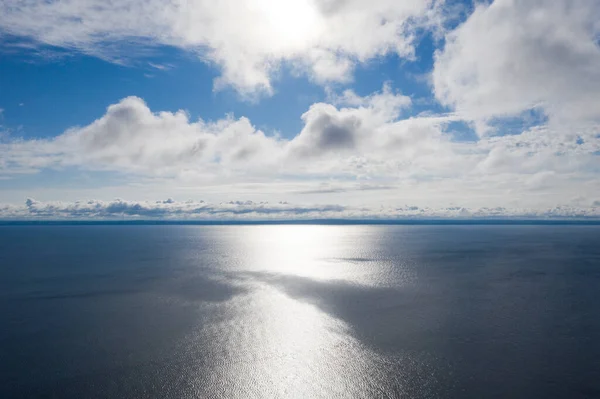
{"x": 299, "y": 311}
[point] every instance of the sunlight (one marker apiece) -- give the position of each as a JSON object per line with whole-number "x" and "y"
{"x": 315, "y": 252}
{"x": 296, "y": 250}
{"x": 293, "y": 22}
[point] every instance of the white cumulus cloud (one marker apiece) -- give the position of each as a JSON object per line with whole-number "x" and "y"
{"x": 352, "y": 142}
{"x": 512, "y": 56}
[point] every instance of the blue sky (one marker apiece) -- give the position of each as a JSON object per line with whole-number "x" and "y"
{"x": 36, "y": 92}
{"x": 424, "y": 108}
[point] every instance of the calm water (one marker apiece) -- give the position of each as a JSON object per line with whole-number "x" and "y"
{"x": 300, "y": 311}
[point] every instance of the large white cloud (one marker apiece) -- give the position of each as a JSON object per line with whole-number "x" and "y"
{"x": 352, "y": 144}
{"x": 249, "y": 39}
{"x": 512, "y": 56}
{"x": 131, "y": 138}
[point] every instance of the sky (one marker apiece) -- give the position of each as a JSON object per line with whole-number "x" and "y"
{"x": 267, "y": 109}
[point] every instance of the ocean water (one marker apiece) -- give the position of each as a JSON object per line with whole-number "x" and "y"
{"x": 299, "y": 311}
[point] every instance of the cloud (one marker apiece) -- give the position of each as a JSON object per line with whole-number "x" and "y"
{"x": 249, "y": 39}
{"x": 525, "y": 74}
{"x": 351, "y": 142}
{"x": 512, "y": 56}
{"x": 248, "y": 210}
{"x": 169, "y": 208}
{"x": 329, "y": 188}
{"x": 131, "y": 138}
{"x": 161, "y": 67}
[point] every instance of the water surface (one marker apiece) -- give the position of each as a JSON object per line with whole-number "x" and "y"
{"x": 299, "y": 311}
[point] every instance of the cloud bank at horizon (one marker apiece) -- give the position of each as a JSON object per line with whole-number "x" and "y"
{"x": 248, "y": 210}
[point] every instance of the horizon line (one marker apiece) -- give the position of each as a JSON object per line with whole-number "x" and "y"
{"x": 331, "y": 222}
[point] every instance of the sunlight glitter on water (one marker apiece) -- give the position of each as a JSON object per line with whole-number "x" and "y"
{"x": 277, "y": 341}
{"x": 348, "y": 253}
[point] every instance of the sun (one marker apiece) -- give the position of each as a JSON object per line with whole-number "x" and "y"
{"x": 292, "y": 22}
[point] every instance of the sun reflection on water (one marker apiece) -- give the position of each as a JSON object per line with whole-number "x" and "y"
{"x": 276, "y": 339}
{"x": 275, "y": 346}
{"x": 315, "y": 252}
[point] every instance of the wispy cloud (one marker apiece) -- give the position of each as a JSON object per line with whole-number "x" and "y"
{"x": 328, "y": 188}
{"x": 161, "y": 67}
{"x": 248, "y": 39}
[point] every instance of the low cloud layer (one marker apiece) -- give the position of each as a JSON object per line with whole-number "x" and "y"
{"x": 248, "y": 210}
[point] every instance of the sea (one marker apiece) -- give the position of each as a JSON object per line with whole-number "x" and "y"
{"x": 299, "y": 311}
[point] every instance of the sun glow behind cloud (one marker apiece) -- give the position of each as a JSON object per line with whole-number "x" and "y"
{"x": 291, "y": 23}
{"x": 247, "y": 39}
